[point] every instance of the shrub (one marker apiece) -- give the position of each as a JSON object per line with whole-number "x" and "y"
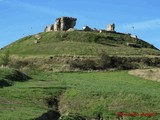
{"x": 5, "y": 82}
{"x": 146, "y": 61}
{"x": 105, "y": 61}
{"x": 18, "y": 76}
{"x": 83, "y": 64}
{"x": 120, "y": 63}
{"x": 151, "y": 61}
{"x": 128, "y": 66}
{"x": 157, "y": 62}
{"x": 19, "y": 64}
{"x": 5, "y": 58}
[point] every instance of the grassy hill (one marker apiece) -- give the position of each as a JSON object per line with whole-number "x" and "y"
{"x": 78, "y": 94}
{"x": 55, "y": 51}
{"x": 81, "y": 43}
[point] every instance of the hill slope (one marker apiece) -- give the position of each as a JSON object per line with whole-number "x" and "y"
{"x": 81, "y": 43}
{"x": 86, "y": 95}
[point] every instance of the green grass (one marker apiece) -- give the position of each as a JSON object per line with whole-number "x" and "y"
{"x": 3, "y": 73}
{"x": 25, "y": 101}
{"x": 80, "y": 43}
{"x": 109, "y": 93}
{"x": 9, "y": 76}
{"x": 87, "y": 94}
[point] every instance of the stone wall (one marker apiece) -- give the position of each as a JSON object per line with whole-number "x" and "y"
{"x": 111, "y": 27}
{"x": 47, "y": 29}
{"x": 62, "y": 24}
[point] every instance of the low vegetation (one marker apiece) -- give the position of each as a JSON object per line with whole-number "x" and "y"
{"x": 5, "y": 58}
{"x": 81, "y": 95}
{"x": 149, "y": 74}
{"x": 79, "y": 76}
{"x": 106, "y": 62}
{"x": 80, "y": 43}
{"x": 9, "y": 76}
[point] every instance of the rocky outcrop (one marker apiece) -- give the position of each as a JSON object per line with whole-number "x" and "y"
{"x": 62, "y": 24}
{"x": 111, "y": 27}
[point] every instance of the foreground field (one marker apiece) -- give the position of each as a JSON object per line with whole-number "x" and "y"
{"x": 91, "y": 95}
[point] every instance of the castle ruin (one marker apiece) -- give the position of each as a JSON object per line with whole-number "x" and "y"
{"x": 111, "y": 27}
{"x": 62, "y": 24}
{"x": 68, "y": 23}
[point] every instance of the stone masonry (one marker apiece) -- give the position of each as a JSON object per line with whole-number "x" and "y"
{"x": 111, "y": 27}
{"x": 62, "y": 24}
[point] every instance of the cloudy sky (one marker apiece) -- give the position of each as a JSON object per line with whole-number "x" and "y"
{"x": 20, "y": 18}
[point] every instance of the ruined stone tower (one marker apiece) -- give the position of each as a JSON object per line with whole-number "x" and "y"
{"x": 62, "y": 24}
{"x": 111, "y": 27}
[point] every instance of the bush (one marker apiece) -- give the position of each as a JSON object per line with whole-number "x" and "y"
{"x": 4, "y": 83}
{"x": 105, "y": 61}
{"x": 151, "y": 61}
{"x": 128, "y": 66}
{"x": 157, "y": 62}
{"x": 19, "y": 64}
{"x": 121, "y": 63}
{"x": 83, "y": 64}
{"x": 17, "y": 76}
{"x": 5, "y": 58}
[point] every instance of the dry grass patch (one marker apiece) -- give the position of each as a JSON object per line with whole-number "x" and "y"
{"x": 151, "y": 74}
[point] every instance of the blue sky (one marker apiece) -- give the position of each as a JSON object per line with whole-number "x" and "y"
{"x": 20, "y": 18}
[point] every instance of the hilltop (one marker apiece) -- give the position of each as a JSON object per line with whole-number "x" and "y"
{"x": 56, "y": 50}
{"x": 81, "y": 43}
{"x": 62, "y": 39}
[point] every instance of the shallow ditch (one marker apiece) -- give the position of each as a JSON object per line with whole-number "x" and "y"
{"x": 53, "y": 113}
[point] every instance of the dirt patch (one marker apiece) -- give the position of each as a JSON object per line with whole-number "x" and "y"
{"x": 149, "y": 74}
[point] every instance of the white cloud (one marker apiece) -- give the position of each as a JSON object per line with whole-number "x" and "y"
{"x": 35, "y": 8}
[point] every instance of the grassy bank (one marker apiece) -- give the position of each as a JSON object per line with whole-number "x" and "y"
{"x": 88, "y": 94}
